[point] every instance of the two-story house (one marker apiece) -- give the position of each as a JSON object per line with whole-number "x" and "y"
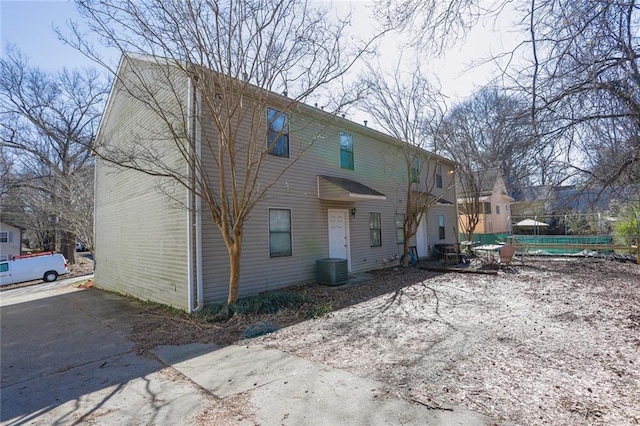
{"x": 340, "y": 198}
{"x": 494, "y": 215}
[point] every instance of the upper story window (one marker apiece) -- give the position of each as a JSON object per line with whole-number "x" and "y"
{"x": 438, "y": 175}
{"x": 415, "y": 170}
{"x": 278, "y": 134}
{"x": 4, "y": 237}
{"x": 497, "y": 209}
{"x": 346, "y": 151}
{"x": 486, "y": 207}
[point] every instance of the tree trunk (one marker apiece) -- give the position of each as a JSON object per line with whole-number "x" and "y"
{"x": 234, "y": 271}
{"x": 405, "y": 250}
{"x": 68, "y": 246}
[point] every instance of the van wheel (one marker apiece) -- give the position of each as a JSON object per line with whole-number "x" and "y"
{"x": 50, "y": 276}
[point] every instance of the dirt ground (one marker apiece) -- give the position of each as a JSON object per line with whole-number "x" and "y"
{"x": 550, "y": 342}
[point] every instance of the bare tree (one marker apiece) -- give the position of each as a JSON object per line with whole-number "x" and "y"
{"x": 49, "y": 121}
{"x": 236, "y": 55}
{"x": 469, "y": 204}
{"x": 433, "y": 24}
{"x": 409, "y": 108}
{"x": 581, "y": 76}
{"x": 491, "y": 130}
{"x": 586, "y": 81}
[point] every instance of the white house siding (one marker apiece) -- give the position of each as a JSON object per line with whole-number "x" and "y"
{"x": 13, "y": 245}
{"x": 140, "y": 234}
{"x": 377, "y": 164}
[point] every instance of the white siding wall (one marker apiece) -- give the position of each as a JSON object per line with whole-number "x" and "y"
{"x": 13, "y": 246}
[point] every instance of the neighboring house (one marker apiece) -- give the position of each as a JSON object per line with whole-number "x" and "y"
{"x": 495, "y": 210}
{"x": 341, "y": 199}
{"x": 10, "y": 240}
{"x": 559, "y": 200}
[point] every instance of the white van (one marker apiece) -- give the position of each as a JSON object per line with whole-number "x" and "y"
{"x": 45, "y": 266}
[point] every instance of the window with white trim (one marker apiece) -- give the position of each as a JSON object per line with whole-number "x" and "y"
{"x": 400, "y": 227}
{"x": 415, "y": 170}
{"x": 279, "y": 232}
{"x": 4, "y": 236}
{"x": 439, "y": 175}
{"x": 278, "y": 133}
{"x": 375, "y": 229}
{"x": 346, "y": 151}
{"x": 441, "y": 232}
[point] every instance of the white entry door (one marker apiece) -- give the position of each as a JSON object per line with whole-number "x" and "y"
{"x": 339, "y": 235}
{"x": 421, "y": 237}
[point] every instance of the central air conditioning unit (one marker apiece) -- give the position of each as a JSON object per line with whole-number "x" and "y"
{"x": 332, "y": 271}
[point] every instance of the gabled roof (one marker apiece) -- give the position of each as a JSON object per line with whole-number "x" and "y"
{"x": 486, "y": 180}
{"x": 569, "y": 197}
{"x": 312, "y": 110}
{"x": 4, "y": 222}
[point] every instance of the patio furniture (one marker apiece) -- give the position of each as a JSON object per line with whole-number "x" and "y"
{"x": 487, "y": 253}
{"x": 506, "y": 255}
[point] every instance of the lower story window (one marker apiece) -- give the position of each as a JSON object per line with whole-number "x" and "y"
{"x": 441, "y": 233}
{"x": 375, "y": 229}
{"x": 400, "y": 227}
{"x": 279, "y": 232}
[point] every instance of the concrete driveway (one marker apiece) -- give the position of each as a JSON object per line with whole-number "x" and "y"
{"x": 66, "y": 359}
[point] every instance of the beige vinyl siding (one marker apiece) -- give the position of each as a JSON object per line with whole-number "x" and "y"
{"x": 450, "y": 225}
{"x": 376, "y": 164}
{"x": 140, "y": 233}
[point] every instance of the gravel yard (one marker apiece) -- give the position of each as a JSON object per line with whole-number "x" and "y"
{"x": 556, "y": 341}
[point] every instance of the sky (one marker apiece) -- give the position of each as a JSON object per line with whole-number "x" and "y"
{"x": 28, "y": 24}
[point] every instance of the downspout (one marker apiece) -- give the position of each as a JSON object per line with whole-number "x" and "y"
{"x": 196, "y": 135}
{"x": 195, "y": 199}
{"x": 190, "y": 196}
{"x": 199, "y": 281}
{"x": 189, "y": 247}
{"x": 455, "y": 197}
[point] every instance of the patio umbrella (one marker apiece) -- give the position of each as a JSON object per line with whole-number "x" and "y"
{"x": 530, "y": 223}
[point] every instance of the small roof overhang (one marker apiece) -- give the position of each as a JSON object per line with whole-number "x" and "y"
{"x": 429, "y": 198}
{"x": 333, "y": 188}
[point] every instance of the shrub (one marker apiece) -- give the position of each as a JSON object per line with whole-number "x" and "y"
{"x": 267, "y": 303}
{"x": 319, "y": 311}
{"x": 259, "y": 329}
